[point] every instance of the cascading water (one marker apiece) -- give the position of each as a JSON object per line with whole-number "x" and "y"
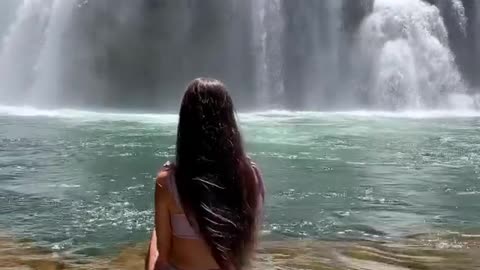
{"x": 477, "y": 33}
{"x": 327, "y": 49}
{"x": 48, "y": 71}
{"x": 7, "y": 12}
{"x": 312, "y": 63}
{"x": 412, "y": 67}
{"x": 315, "y": 55}
{"x": 268, "y": 34}
{"x": 458, "y": 11}
{"x": 20, "y": 47}
{"x": 476, "y": 26}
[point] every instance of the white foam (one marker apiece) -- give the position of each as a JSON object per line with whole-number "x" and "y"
{"x": 461, "y": 18}
{"x": 261, "y": 116}
{"x": 27, "y": 111}
{"x": 414, "y": 114}
{"x": 413, "y": 66}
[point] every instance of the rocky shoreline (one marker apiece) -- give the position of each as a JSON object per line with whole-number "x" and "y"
{"x": 414, "y": 253}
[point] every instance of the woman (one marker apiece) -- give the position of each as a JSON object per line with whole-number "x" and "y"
{"x": 207, "y": 204}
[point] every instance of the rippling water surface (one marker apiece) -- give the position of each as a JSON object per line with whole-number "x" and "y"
{"x": 82, "y": 182}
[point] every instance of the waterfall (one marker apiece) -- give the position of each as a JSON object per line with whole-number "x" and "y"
{"x": 476, "y": 26}
{"x": 326, "y": 49}
{"x": 272, "y": 54}
{"x": 268, "y": 33}
{"x": 476, "y": 53}
{"x": 412, "y": 66}
{"x": 459, "y": 11}
{"x": 7, "y": 8}
{"x": 20, "y": 47}
{"x": 48, "y": 71}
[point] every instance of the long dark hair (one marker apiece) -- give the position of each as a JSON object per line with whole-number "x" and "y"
{"x": 215, "y": 180}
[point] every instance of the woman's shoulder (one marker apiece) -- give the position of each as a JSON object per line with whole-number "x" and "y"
{"x": 254, "y": 166}
{"x": 252, "y": 163}
{"x": 163, "y": 185}
{"x": 258, "y": 176}
{"x": 163, "y": 176}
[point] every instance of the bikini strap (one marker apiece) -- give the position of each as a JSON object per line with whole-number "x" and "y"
{"x": 172, "y": 184}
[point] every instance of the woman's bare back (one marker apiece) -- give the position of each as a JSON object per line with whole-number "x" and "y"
{"x": 185, "y": 254}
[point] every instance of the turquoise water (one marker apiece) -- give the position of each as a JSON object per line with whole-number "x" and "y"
{"x": 82, "y": 182}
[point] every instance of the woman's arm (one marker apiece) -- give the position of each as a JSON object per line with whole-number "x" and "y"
{"x": 162, "y": 222}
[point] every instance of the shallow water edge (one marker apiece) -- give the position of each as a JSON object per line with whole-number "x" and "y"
{"x": 460, "y": 252}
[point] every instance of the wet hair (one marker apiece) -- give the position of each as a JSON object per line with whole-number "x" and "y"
{"x": 216, "y": 183}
